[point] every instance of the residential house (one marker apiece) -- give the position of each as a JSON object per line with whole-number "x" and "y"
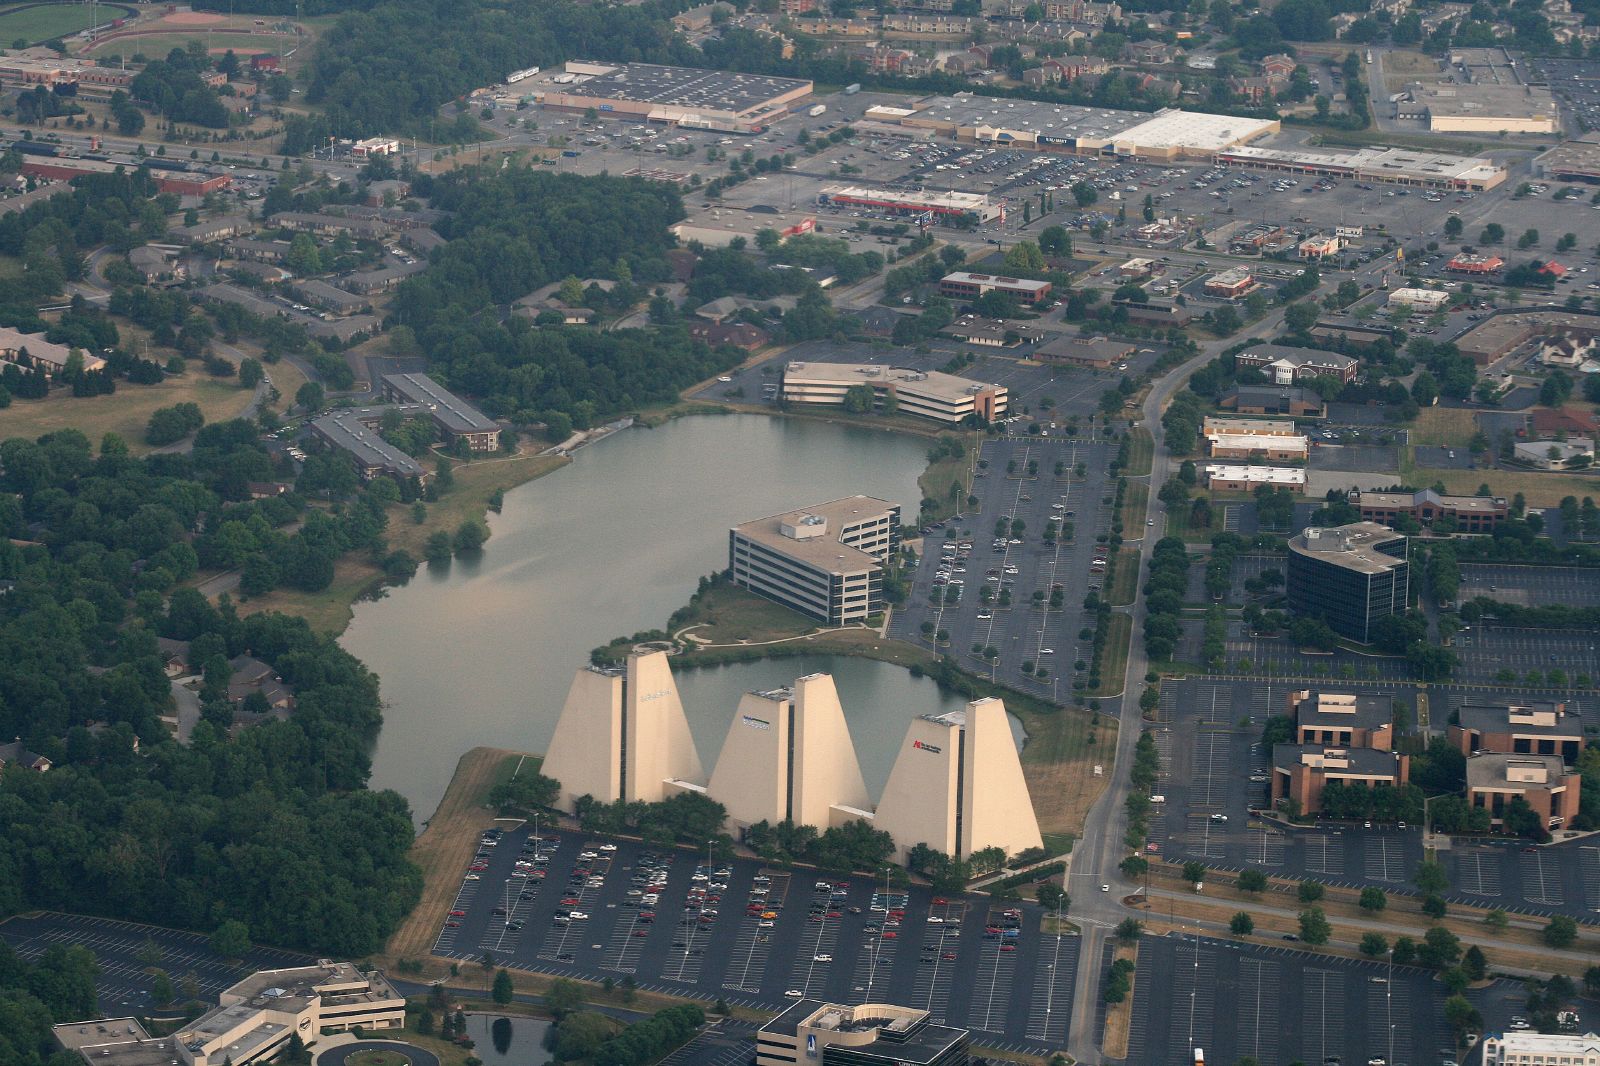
{"x": 14, "y": 754}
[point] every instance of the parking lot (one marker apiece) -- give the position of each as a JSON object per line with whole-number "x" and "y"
{"x": 1208, "y": 737}
{"x": 127, "y": 952}
{"x": 986, "y": 584}
{"x": 759, "y": 937}
{"x": 1276, "y": 1006}
{"x": 1531, "y": 586}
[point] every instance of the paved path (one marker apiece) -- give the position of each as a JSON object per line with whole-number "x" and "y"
{"x": 340, "y": 1053}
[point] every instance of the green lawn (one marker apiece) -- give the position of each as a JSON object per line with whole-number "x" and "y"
{"x": 1141, "y": 446}
{"x": 1118, "y": 629}
{"x": 1134, "y": 502}
{"x": 1120, "y": 592}
{"x": 37, "y": 24}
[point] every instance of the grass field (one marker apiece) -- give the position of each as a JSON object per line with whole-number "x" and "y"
{"x": 164, "y": 39}
{"x": 125, "y": 411}
{"x": 1121, "y": 590}
{"x": 1119, "y": 1015}
{"x": 37, "y": 24}
{"x": 1118, "y": 629}
{"x": 729, "y": 615}
{"x": 1442, "y": 428}
{"x": 935, "y": 484}
{"x": 1132, "y": 514}
{"x": 1063, "y": 746}
{"x": 377, "y": 1058}
{"x": 1141, "y": 446}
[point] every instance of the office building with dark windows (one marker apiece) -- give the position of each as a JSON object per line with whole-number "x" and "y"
{"x": 1349, "y": 576}
{"x": 824, "y": 561}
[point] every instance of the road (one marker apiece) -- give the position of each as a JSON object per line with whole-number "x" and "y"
{"x": 1098, "y": 853}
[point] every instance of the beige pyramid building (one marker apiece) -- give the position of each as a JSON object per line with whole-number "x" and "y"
{"x": 957, "y": 786}
{"x": 623, "y": 735}
{"x": 788, "y": 755}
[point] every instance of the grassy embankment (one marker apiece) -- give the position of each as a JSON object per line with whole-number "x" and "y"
{"x": 355, "y": 576}
{"x": 1118, "y": 1015}
{"x": 1141, "y": 447}
{"x": 1125, "y": 583}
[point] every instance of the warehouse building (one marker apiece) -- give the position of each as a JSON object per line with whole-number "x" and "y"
{"x": 926, "y": 393}
{"x": 867, "y": 1034}
{"x": 1349, "y": 576}
{"x": 1577, "y": 160}
{"x": 1500, "y": 335}
{"x": 931, "y": 204}
{"x": 1227, "y": 477}
{"x": 452, "y": 416}
{"x": 957, "y": 786}
{"x": 825, "y": 561}
{"x": 1481, "y": 108}
{"x": 679, "y": 96}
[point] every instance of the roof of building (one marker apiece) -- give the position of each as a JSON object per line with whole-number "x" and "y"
{"x": 1230, "y": 277}
{"x": 712, "y": 90}
{"x": 44, "y": 351}
{"x": 1578, "y": 156}
{"x": 1353, "y": 547}
{"x": 1097, "y": 349}
{"x": 1405, "y": 500}
{"x": 1293, "y": 393}
{"x": 15, "y": 752}
{"x": 968, "y": 277}
{"x": 1486, "y": 102}
{"x": 934, "y": 384}
{"x": 955, "y": 201}
{"x": 115, "y": 1042}
{"x": 1264, "y": 427}
{"x": 1256, "y": 442}
{"x": 322, "y": 291}
{"x": 1357, "y": 710}
{"x": 1296, "y": 357}
{"x": 1389, "y": 163}
{"x": 1408, "y": 295}
{"x": 824, "y": 552}
{"x": 450, "y": 410}
{"x": 914, "y": 1038}
{"x": 1259, "y": 475}
{"x": 75, "y": 1036}
{"x": 1493, "y": 770}
{"x": 1541, "y": 1046}
{"x": 1538, "y": 718}
{"x": 1361, "y": 762}
{"x": 1057, "y": 122}
{"x": 1194, "y": 129}
{"x": 343, "y": 428}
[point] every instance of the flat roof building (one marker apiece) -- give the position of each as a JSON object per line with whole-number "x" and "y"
{"x": 1543, "y": 782}
{"x": 1534, "y": 727}
{"x": 1540, "y": 1049}
{"x": 957, "y": 786}
{"x": 966, "y": 285}
{"x": 1501, "y": 334}
{"x": 1230, "y": 477}
{"x": 1425, "y": 301}
{"x": 1099, "y": 353}
{"x": 1302, "y": 772}
{"x": 925, "y": 393}
{"x": 1342, "y": 719}
{"x": 934, "y": 204}
{"x": 1249, "y": 427}
{"x": 353, "y": 432}
{"x": 867, "y": 1034}
{"x": 1284, "y": 365}
{"x": 1235, "y": 283}
{"x": 1395, "y": 166}
{"x": 683, "y": 96}
{"x": 824, "y": 561}
{"x": 252, "y": 1022}
{"x": 1576, "y": 160}
{"x": 622, "y": 735}
{"x": 1220, "y": 445}
{"x": 1274, "y": 400}
{"x": 455, "y": 418}
{"x": 1471, "y": 514}
{"x": 1350, "y": 576}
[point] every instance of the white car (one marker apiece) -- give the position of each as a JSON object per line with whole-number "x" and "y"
{"x": 822, "y": 958}
{"x": 724, "y": 379}
{"x": 795, "y": 993}
{"x": 608, "y": 847}
{"x": 577, "y": 916}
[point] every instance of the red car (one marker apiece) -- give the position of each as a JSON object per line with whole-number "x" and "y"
{"x": 939, "y": 901}
{"x": 570, "y": 901}
{"x": 458, "y": 914}
{"x": 641, "y": 932}
{"x": 948, "y": 956}
{"x": 1008, "y": 947}
{"x": 890, "y": 936}
{"x": 833, "y": 914}
{"x": 452, "y": 925}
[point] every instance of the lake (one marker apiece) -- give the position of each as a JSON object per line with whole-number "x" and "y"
{"x": 482, "y": 651}
{"x": 503, "y": 1041}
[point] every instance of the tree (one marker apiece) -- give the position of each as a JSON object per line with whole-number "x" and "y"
{"x": 1314, "y": 928}
{"x": 1024, "y": 257}
{"x": 1461, "y": 1015}
{"x": 1373, "y": 899}
{"x": 503, "y": 987}
{"x": 303, "y": 258}
{"x": 1311, "y": 891}
{"x": 250, "y": 373}
{"x": 1562, "y": 932}
{"x": 309, "y": 397}
{"x": 231, "y": 939}
{"x": 1084, "y": 194}
{"x": 1374, "y": 946}
{"x": 1194, "y": 872}
{"x": 1129, "y": 929}
{"x": 1493, "y": 233}
{"x": 1453, "y": 227}
{"x": 1431, "y": 877}
{"x": 1440, "y": 948}
{"x": 1474, "y": 964}
{"x": 1241, "y": 924}
{"x": 563, "y": 998}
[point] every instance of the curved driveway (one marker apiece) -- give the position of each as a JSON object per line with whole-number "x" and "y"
{"x": 337, "y": 1056}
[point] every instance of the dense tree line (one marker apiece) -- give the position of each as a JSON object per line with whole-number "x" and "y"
{"x": 57, "y": 987}
{"x": 172, "y": 88}
{"x": 272, "y": 827}
{"x": 514, "y": 232}
{"x": 852, "y": 846}
{"x": 1164, "y": 591}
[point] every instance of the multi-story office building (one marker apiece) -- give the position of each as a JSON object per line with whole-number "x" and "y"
{"x": 454, "y": 417}
{"x": 1349, "y": 576}
{"x": 1471, "y": 514}
{"x": 1543, "y": 782}
{"x": 824, "y": 561}
{"x": 925, "y": 393}
{"x": 1537, "y": 727}
{"x": 1342, "y": 720}
{"x": 870, "y": 1034}
{"x": 1300, "y": 772}
{"x": 965, "y": 285}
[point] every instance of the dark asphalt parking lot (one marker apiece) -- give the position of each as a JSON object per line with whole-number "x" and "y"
{"x": 1022, "y": 633}
{"x": 1273, "y": 1005}
{"x": 1484, "y": 651}
{"x": 1208, "y": 737}
{"x": 1367, "y": 459}
{"x": 1531, "y": 586}
{"x": 1012, "y": 991}
{"x": 122, "y": 950}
